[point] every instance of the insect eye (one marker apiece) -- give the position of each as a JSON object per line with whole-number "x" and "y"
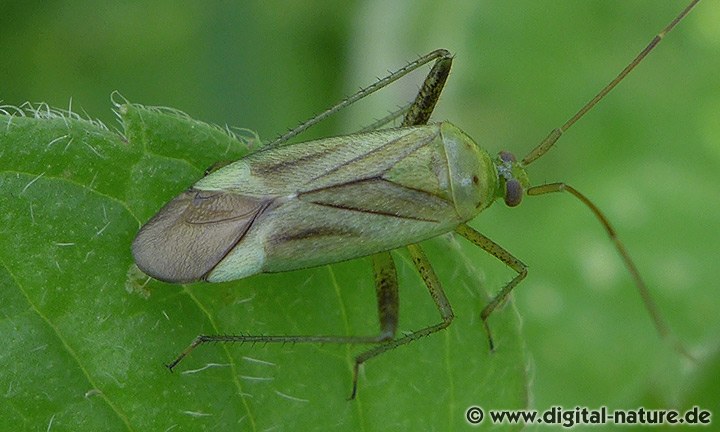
{"x": 513, "y": 192}
{"x": 506, "y": 156}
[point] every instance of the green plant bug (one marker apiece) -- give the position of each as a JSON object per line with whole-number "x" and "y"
{"x": 292, "y": 206}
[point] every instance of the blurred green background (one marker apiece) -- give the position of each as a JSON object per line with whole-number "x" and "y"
{"x": 648, "y": 155}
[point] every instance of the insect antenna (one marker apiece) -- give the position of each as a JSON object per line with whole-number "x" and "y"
{"x": 555, "y": 134}
{"x": 551, "y": 139}
{"x": 660, "y": 324}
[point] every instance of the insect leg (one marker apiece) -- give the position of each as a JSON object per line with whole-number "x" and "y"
{"x": 386, "y": 284}
{"x": 386, "y": 288}
{"x": 427, "y": 97}
{"x": 438, "y": 295}
{"x": 392, "y": 116}
{"x": 498, "y": 252}
{"x": 419, "y": 110}
{"x": 439, "y": 55}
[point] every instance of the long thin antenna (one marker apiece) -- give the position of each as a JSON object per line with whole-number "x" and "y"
{"x": 555, "y": 134}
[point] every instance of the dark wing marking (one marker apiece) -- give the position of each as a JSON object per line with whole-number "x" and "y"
{"x": 273, "y": 166}
{"x": 192, "y": 233}
{"x": 379, "y": 196}
{"x": 293, "y": 234}
{"x": 359, "y": 183}
{"x": 375, "y": 162}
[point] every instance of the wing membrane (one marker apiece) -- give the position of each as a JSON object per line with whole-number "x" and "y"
{"x": 193, "y": 232}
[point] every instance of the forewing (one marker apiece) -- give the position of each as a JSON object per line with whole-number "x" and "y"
{"x": 318, "y": 164}
{"x": 192, "y": 233}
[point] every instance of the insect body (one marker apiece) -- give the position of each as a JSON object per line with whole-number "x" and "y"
{"x": 294, "y": 206}
{"x": 333, "y": 199}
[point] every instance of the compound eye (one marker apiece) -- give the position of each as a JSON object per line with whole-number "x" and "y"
{"x": 507, "y": 157}
{"x": 513, "y": 192}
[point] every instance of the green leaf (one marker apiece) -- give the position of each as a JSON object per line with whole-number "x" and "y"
{"x": 86, "y": 338}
